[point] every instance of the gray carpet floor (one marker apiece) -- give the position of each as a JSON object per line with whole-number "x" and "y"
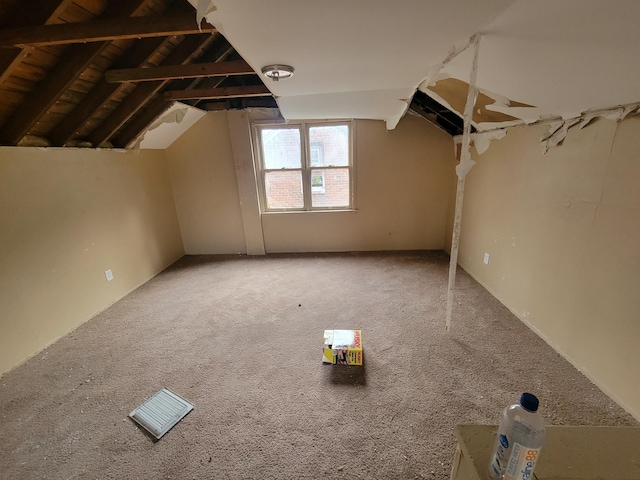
{"x": 241, "y": 338}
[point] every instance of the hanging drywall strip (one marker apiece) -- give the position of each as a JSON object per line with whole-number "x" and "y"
{"x": 175, "y": 113}
{"x": 481, "y": 141}
{"x": 433, "y": 72}
{"x": 461, "y": 170}
{"x": 557, "y": 123}
{"x": 204, "y": 8}
{"x": 557, "y": 133}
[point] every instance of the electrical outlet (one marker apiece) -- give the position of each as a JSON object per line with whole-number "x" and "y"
{"x": 109, "y": 275}
{"x": 486, "y": 259}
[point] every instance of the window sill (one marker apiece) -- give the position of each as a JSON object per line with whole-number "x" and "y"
{"x": 290, "y": 212}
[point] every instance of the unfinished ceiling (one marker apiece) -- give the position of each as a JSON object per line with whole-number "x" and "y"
{"x": 97, "y": 72}
{"x": 366, "y": 58}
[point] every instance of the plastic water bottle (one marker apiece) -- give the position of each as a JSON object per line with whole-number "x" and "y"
{"x": 519, "y": 440}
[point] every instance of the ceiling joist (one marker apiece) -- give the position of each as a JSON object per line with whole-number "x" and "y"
{"x": 46, "y": 12}
{"x": 74, "y": 61}
{"x": 57, "y": 63}
{"x": 96, "y": 98}
{"x": 217, "y": 93}
{"x": 103, "y": 30}
{"x": 189, "y": 49}
{"x": 219, "y": 51}
{"x": 170, "y": 72}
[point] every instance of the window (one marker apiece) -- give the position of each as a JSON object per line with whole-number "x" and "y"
{"x": 306, "y": 166}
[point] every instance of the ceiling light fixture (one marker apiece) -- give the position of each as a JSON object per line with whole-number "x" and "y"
{"x": 276, "y": 72}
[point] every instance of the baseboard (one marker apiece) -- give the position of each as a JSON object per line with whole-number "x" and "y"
{"x": 559, "y": 350}
{"x": 97, "y": 312}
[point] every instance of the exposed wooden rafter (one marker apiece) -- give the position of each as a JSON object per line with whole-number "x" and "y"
{"x": 170, "y": 72}
{"x": 220, "y": 92}
{"x": 190, "y": 48}
{"x": 228, "y": 104}
{"x": 59, "y": 57}
{"x": 74, "y": 61}
{"x": 65, "y": 131}
{"x": 219, "y": 52}
{"x": 47, "y": 11}
{"x": 103, "y": 30}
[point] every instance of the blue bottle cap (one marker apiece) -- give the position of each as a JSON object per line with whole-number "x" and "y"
{"x": 529, "y": 402}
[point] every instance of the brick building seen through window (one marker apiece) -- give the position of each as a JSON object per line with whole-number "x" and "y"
{"x": 306, "y": 166}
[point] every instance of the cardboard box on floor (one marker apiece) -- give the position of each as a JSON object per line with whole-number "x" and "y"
{"x": 342, "y": 347}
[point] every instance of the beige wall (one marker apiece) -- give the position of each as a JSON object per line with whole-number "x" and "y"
{"x": 563, "y": 234}
{"x": 66, "y": 216}
{"x": 205, "y": 189}
{"x": 401, "y": 195}
{"x": 403, "y": 184}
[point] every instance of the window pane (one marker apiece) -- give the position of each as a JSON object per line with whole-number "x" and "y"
{"x": 329, "y": 146}
{"x": 334, "y": 191}
{"x": 281, "y": 148}
{"x": 284, "y": 189}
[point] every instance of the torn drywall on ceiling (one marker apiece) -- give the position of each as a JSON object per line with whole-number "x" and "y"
{"x": 466, "y": 163}
{"x": 203, "y": 9}
{"x": 559, "y": 130}
{"x": 168, "y": 127}
{"x": 371, "y": 67}
{"x": 556, "y": 134}
{"x": 481, "y": 140}
{"x": 454, "y": 92}
{"x": 435, "y": 73}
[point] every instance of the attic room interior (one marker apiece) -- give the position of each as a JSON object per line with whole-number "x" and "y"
{"x": 459, "y": 181}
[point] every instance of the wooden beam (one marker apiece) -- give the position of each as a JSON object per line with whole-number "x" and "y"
{"x": 170, "y": 72}
{"x": 136, "y": 56}
{"x": 100, "y": 94}
{"x": 72, "y": 63}
{"x": 103, "y": 30}
{"x": 220, "y": 92}
{"x": 183, "y": 53}
{"x": 47, "y": 11}
{"x": 132, "y": 130}
{"x": 27, "y": 16}
{"x": 254, "y": 102}
{"x": 219, "y": 51}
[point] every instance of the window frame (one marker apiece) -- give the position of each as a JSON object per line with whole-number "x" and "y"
{"x": 306, "y": 165}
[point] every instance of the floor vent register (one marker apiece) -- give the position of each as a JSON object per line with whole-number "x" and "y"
{"x": 161, "y": 412}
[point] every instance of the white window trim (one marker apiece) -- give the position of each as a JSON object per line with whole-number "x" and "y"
{"x": 303, "y": 127}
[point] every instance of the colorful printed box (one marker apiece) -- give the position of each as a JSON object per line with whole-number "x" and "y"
{"x": 342, "y": 347}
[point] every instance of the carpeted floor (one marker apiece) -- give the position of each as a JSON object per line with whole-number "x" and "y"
{"x": 241, "y": 338}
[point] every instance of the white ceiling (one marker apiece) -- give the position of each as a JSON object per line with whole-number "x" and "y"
{"x": 365, "y": 58}
{"x": 176, "y": 120}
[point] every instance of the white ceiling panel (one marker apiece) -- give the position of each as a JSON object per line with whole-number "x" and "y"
{"x": 363, "y": 58}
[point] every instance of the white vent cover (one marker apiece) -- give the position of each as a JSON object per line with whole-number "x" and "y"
{"x": 161, "y": 412}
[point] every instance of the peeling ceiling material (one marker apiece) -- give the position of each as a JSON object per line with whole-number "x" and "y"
{"x": 452, "y": 91}
{"x": 355, "y": 59}
{"x": 168, "y": 127}
{"x": 97, "y": 72}
{"x": 435, "y": 112}
{"x": 72, "y": 71}
{"x": 363, "y": 59}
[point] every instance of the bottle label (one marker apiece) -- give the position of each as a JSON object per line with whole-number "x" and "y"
{"x": 498, "y": 462}
{"x": 521, "y": 462}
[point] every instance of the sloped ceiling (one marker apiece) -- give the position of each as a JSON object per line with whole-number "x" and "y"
{"x": 366, "y": 58}
{"x": 95, "y": 73}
